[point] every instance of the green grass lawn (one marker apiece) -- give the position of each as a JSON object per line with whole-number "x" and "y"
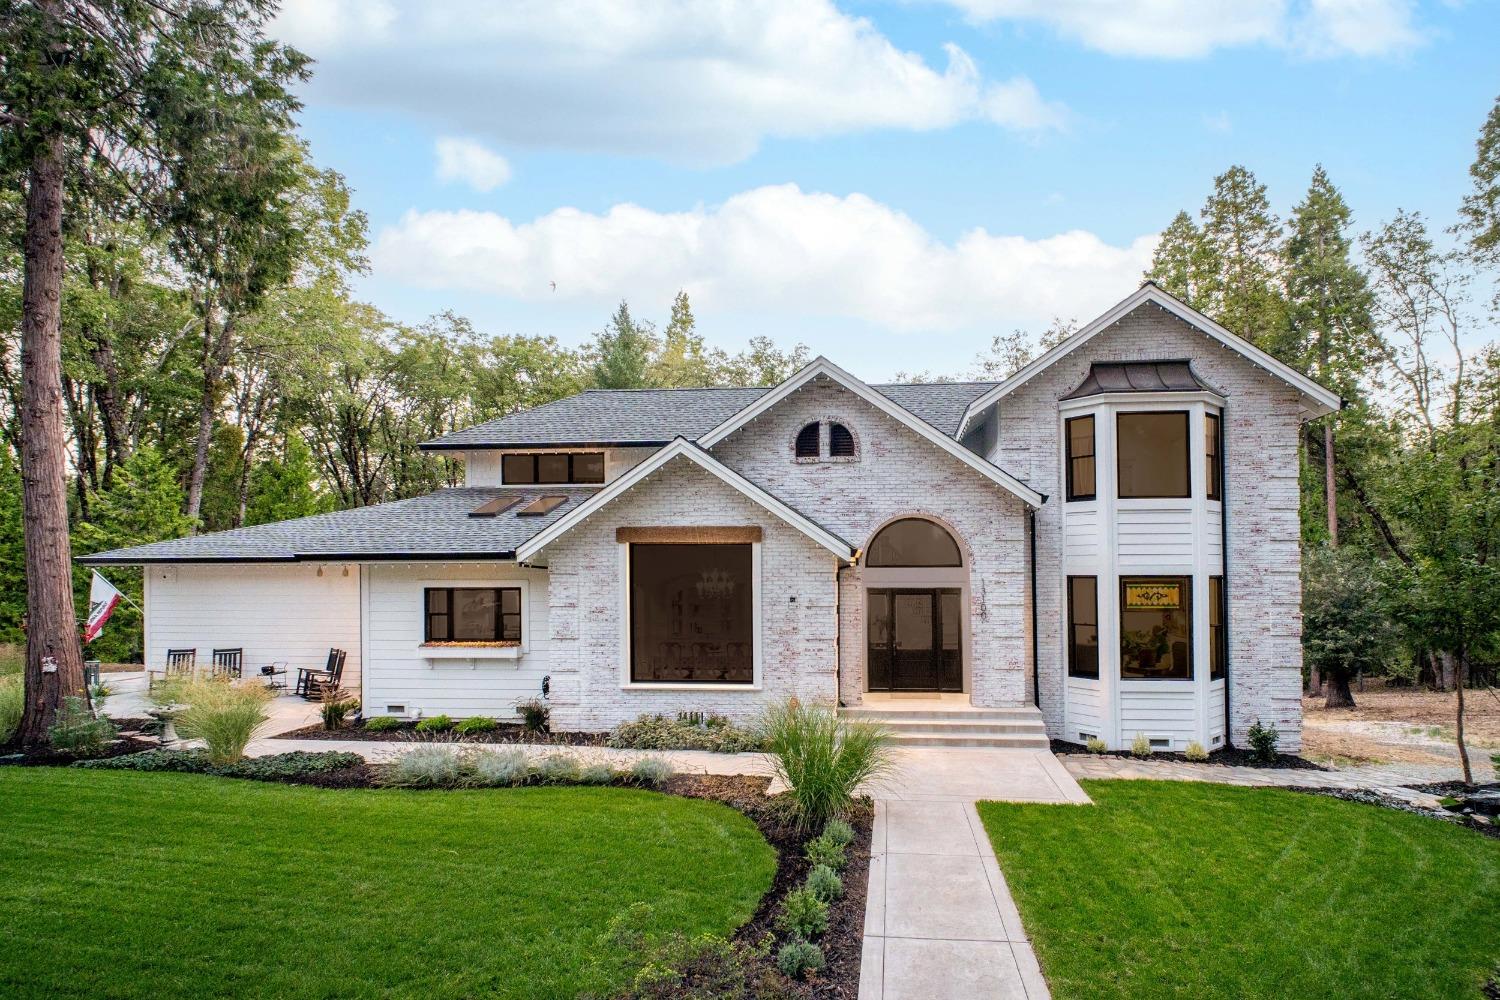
{"x": 1178, "y": 889}
{"x": 116, "y": 884}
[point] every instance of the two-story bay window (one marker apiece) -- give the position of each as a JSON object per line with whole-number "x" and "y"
{"x": 1081, "y": 470}
{"x": 1156, "y": 633}
{"x": 1152, "y": 455}
{"x": 692, "y": 617}
{"x": 472, "y": 614}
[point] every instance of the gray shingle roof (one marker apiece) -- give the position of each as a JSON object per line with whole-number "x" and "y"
{"x": 654, "y": 417}
{"x": 434, "y": 525}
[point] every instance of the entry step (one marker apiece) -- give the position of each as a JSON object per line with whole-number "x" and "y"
{"x": 957, "y": 726}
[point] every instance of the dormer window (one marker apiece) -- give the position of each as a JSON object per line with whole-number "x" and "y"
{"x": 808, "y": 440}
{"x": 552, "y": 468}
{"x": 840, "y": 441}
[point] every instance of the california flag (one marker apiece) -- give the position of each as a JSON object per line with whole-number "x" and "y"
{"x": 102, "y": 600}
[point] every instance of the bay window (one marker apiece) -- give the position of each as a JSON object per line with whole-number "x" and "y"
{"x": 1083, "y": 626}
{"x": 1152, "y": 455}
{"x": 1213, "y": 465}
{"x": 1081, "y": 471}
{"x": 1156, "y": 635}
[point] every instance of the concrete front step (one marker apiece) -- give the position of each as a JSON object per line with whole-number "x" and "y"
{"x": 959, "y": 726}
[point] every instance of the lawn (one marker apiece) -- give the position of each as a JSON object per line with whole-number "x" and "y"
{"x": 1178, "y": 889}
{"x": 165, "y": 885}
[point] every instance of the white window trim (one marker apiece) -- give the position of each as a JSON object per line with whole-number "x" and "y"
{"x": 500, "y": 466}
{"x": 474, "y": 652}
{"x": 756, "y": 637}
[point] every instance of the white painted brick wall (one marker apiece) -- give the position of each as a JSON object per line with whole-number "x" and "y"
{"x": 1261, "y": 458}
{"x": 897, "y": 474}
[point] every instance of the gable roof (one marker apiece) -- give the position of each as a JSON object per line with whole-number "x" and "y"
{"x": 683, "y": 448}
{"x": 823, "y": 368}
{"x": 1323, "y": 400}
{"x": 432, "y": 526}
{"x": 655, "y": 417}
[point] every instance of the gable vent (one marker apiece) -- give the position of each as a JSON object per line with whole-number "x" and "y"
{"x": 840, "y": 441}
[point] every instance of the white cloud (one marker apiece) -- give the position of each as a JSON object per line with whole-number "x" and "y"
{"x": 770, "y": 251}
{"x": 691, "y": 80}
{"x": 470, "y": 162}
{"x": 1193, "y": 28}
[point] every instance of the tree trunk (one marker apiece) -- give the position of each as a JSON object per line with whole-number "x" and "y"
{"x": 215, "y": 358}
{"x": 1463, "y": 748}
{"x": 54, "y": 658}
{"x": 1446, "y": 670}
{"x": 1330, "y": 489}
{"x": 1339, "y": 695}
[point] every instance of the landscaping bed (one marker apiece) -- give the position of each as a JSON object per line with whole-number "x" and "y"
{"x": 1225, "y": 757}
{"x": 407, "y": 732}
{"x": 134, "y": 736}
{"x": 1194, "y": 889}
{"x": 1479, "y": 824}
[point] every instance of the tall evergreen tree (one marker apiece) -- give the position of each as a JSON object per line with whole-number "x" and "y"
{"x": 1243, "y": 237}
{"x": 623, "y": 351}
{"x": 1328, "y": 308}
{"x": 683, "y": 359}
{"x": 1184, "y": 263}
{"x": 285, "y": 486}
{"x": 1479, "y": 221}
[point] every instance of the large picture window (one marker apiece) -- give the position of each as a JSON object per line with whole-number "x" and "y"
{"x": 1156, "y": 635}
{"x": 692, "y": 614}
{"x": 472, "y": 614}
{"x": 1152, "y": 455}
{"x": 1083, "y": 626}
{"x": 1081, "y": 471}
{"x": 552, "y": 468}
{"x": 1213, "y": 464}
{"x": 1218, "y": 647}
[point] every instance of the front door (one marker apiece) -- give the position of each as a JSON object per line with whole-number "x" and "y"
{"x": 915, "y": 640}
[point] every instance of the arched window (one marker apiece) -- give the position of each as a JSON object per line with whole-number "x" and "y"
{"x": 912, "y": 541}
{"x": 807, "y": 440}
{"x": 840, "y": 441}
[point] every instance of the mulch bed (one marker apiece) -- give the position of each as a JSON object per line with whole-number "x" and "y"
{"x": 131, "y": 740}
{"x": 1373, "y": 798}
{"x": 1225, "y": 757}
{"x": 407, "y": 733}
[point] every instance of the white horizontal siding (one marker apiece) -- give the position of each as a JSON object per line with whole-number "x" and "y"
{"x": 1214, "y": 537}
{"x": 275, "y": 613}
{"x": 1085, "y": 708}
{"x": 1155, "y": 539}
{"x": 1215, "y": 713}
{"x": 1158, "y": 711}
{"x": 1081, "y": 539}
{"x": 399, "y": 675}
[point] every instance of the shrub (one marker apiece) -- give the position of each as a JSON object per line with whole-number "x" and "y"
{"x": 651, "y": 772}
{"x": 557, "y": 769}
{"x": 1195, "y": 751}
{"x": 1140, "y": 746}
{"x": 824, "y": 883}
{"x": 689, "y": 731}
{"x": 192, "y": 761}
{"x": 274, "y": 767}
{"x": 1096, "y": 745}
{"x": 822, "y": 851}
{"x": 803, "y": 914}
{"x": 1262, "y": 743}
{"x": 223, "y": 714}
{"x": 336, "y": 707}
{"x": 476, "y": 724}
{"x": 436, "y": 724}
{"x": 506, "y": 768}
{"x": 534, "y": 715}
{"x": 823, "y": 758}
{"x": 12, "y": 701}
{"x": 98, "y": 693}
{"x": 76, "y": 731}
{"x": 382, "y": 724}
{"x": 425, "y": 767}
{"x": 838, "y": 831}
{"x": 797, "y": 958}
{"x": 596, "y": 774}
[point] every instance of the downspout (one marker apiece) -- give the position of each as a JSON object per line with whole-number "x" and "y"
{"x": 1224, "y": 566}
{"x": 838, "y": 634}
{"x": 1036, "y": 676}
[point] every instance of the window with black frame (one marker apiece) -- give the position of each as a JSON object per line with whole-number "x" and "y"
{"x": 1151, "y": 453}
{"x": 1081, "y": 470}
{"x": 1218, "y": 646}
{"x": 552, "y": 468}
{"x": 692, "y": 615}
{"x": 1213, "y": 464}
{"x": 1083, "y": 627}
{"x": 472, "y": 614}
{"x": 1156, "y": 634}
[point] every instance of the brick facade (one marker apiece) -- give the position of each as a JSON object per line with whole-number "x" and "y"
{"x": 1261, "y": 434}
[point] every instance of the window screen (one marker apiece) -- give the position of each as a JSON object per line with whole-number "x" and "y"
{"x": 691, "y": 614}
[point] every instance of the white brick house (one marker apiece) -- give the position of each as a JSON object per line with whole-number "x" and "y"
{"x": 1104, "y": 545}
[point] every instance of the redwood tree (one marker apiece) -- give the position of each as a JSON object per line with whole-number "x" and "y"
{"x": 101, "y": 83}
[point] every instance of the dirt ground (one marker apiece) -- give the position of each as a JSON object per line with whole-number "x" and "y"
{"x": 1400, "y": 725}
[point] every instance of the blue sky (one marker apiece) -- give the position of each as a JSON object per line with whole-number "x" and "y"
{"x": 888, "y": 183}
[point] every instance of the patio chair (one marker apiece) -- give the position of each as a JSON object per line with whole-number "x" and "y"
{"x": 229, "y": 663}
{"x": 311, "y": 683}
{"x": 180, "y": 663}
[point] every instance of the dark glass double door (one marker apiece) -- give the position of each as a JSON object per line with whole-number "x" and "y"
{"x": 915, "y": 640}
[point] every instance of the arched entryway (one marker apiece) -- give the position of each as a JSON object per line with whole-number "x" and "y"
{"x": 916, "y": 585}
